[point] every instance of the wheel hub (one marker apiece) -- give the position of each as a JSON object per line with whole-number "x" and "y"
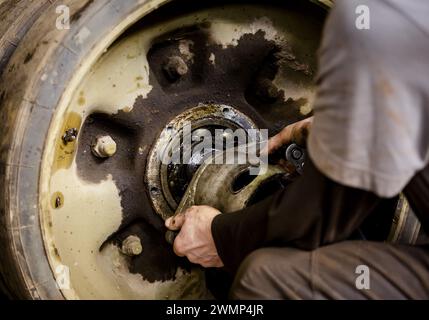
{"x": 217, "y": 67}
{"x": 167, "y": 182}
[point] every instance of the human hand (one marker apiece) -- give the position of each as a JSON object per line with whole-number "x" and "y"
{"x": 296, "y": 132}
{"x": 195, "y": 239}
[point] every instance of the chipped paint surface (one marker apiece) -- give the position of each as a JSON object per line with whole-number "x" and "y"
{"x": 64, "y": 153}
{"x": 122, "y": 74}
{"x": 133, "y": 286}
{"x": 89, "y": 213}
{"x": 228, "y": 33}
{"x": 114, "y": 83}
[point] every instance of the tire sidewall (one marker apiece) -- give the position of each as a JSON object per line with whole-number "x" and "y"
{"x": 33, "y": 84}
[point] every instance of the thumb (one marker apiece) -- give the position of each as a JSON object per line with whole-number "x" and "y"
{"x": 175, "y": 222}
{"x": 301, "y": 131}
{"x": 272, "y": 145}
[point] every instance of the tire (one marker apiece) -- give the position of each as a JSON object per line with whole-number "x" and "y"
{"x": 16, "y": 18}
{"x": 42, "y": 65}
{"x": 37, "y": 68}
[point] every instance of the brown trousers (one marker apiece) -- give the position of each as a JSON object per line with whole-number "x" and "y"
{"x": 333, "y": 272}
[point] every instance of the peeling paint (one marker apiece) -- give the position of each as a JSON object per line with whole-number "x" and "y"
{"x": 89, "y": 214}
{"x": 114, "y": 84}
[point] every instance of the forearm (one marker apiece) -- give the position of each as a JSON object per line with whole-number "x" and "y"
{"x": 310, "y": 212}
{"x": 239, "y": 233}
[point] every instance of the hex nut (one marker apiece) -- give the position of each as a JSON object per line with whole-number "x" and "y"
{"x": 267, "y": 90}
{"x": 69, "y": 136}
{"x": 131, "y": 246}
{"x": 175, "y": 68}
{"x": 104, "y": 147}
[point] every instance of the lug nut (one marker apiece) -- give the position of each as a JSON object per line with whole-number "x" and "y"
{"x": 267, "y": 90}
{"x": 104, "y": 146}
{"x": 70, "y": 135}
{"x": 131, "y": 246}
{"x": 175, "y": 68}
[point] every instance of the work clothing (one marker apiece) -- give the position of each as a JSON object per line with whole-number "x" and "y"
{"x": 336, "y": 271}
{"x": 369, "y": 142}
{"x": 370, "y": 129}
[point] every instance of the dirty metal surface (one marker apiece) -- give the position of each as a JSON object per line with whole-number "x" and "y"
{"x": 244, "y": 63}
{"x": 167, "y": 183}
{"x": 229, "y": 187}
{"x": 233, "y": 81}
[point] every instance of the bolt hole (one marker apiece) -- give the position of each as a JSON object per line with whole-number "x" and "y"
{"x": 227, "y": 111}
{"x": 57, "y": 200}
{"x": 169, "y": 129}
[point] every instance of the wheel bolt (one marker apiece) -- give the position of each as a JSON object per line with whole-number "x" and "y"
{"x": 104, "y": 146}
{"x": 175, "y": 68}
{"x": 131, "y": 246}
{"x": 70, "y": 135}
{"x": 267, "y": 90}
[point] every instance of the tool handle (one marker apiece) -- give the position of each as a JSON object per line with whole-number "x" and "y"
{"x": 170, "y": 235}
{"x": 292, "y": 153}
{"x": 296, "y": 155}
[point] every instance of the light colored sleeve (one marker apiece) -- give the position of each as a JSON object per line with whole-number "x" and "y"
{"x": 371, "y": 114}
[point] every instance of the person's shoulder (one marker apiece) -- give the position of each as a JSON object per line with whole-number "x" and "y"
{"x": 368, "y": 27}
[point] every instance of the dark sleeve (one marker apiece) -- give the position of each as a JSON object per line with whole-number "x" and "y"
{"x": 310, "y": 212}
{"x": 417, "y": 194}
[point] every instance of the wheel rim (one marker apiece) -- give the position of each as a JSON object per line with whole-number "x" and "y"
{"x": 83, "y": 234}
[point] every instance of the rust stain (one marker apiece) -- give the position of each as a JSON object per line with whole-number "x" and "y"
{"x": 81, "y": 100}
{"x": 57, "y": 200}
{"x": 64, "y": 152}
